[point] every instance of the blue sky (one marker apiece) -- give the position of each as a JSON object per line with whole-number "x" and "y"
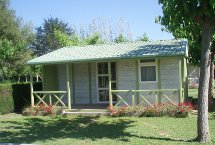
{"x": 140, "y": 14}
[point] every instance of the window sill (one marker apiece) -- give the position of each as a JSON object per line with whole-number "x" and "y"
{"x": 148, "y": 82}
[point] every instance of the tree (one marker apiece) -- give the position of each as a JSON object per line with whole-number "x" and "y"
{"x": 7, "y": 53}
{"x": 91, "y": 40}
{"x": 144, "y": 37}
{"x": 46, "y": 40}
{"x": 179, "y": 14}
{"x": 66, "y": 40}
{"x": 120, "y": 39}
{"x": 107, "y": 30}
{"x": 9, "y": 24}
{"x": 15, "y": 39}
{"x": 37, "y": 72}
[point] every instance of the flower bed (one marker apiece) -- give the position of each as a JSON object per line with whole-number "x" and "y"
{"x": 42, "y": 110}
{"x": 167, "y": 109}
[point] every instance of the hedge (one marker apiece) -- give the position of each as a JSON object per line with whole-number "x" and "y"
{"x": 22, "y": 95}
{"x": 14, "y": 97}
{"x": 6, "y": 99}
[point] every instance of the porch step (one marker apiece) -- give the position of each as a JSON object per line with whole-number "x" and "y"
{"x": 85, "y": 111}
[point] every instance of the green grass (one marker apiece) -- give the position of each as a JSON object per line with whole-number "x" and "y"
{"x": 193, "y": 93}
{"x": 102, "y": 130}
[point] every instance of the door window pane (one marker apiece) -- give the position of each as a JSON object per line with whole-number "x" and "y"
{"x": 103, "y": 81}
{"x": 103, "y": 68}
{"x": 103, "y": 95}
{"x": 113, "y": 71}
{"x": 148, "y": 73}
{"x": 113, "y": 86}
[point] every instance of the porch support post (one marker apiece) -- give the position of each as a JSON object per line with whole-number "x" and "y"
{"x": 90, "y": 86}
{"x": 31, "y": 87}
{"x": 137, "y": 81}
{"x": 159, "y": 82}
{"x": 109, "y": 79}
{"x": 73, "y": 84}
{"x": 185, "y": 79}
{"x": 68, "y": 86}
{"x": 180, "y": 81}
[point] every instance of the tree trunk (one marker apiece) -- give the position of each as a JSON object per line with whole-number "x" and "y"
{"x": 202, "y": 122}
{"x": 211, "y": 83}
{"x": 26, "y": 78}
{"x": 19, "y": 79}
{"x": 37, "y": 76}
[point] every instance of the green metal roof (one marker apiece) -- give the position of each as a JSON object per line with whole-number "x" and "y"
{"x": 114, "y": 51}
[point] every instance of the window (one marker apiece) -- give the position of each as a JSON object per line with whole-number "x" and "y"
{"x": 148, "y": 70}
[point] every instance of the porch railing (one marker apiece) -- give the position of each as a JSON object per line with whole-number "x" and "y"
{"x": 138, "y": 98}
{"x": 52, "y": 98}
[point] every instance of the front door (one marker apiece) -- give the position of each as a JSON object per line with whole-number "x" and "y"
{"x": 103, "y": 79}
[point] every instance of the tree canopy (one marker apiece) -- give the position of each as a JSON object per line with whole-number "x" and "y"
{"x": 15, "y": 40}
{"x": 46, "y": 40}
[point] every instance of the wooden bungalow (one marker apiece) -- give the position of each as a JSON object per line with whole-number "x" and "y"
{"x": 114, "y": 74}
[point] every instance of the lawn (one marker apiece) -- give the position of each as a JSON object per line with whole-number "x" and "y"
{"x": 193, "y": 93}
{"x": 102, "y": 130}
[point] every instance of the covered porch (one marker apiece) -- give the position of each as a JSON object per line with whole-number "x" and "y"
{"x": 116, "y": 97}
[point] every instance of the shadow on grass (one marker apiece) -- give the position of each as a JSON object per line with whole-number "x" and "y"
{"x": 80, "y": 127}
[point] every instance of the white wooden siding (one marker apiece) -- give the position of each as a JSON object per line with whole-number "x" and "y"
{"x": 62, "y": 80}
{"x": 126, "y": 77}
{"x": 93, "y": 82}
{"x": 81, "y": 83}
{"x": 169, "y": 71}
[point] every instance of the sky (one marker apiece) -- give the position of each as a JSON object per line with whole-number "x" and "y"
{"x": 140, "y": 14}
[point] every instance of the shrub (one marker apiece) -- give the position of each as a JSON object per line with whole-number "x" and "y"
{"x": 183, "y": 109}
{"x": 167, "y": 109}
{"x": 6, "y": 99}
{"x": 42, "y": 110}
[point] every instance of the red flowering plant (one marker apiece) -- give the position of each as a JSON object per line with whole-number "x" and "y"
{"x": 42, "y": 110}
{"x": 117, "y": 111}
{"x": 162, "y": 109}
{"x": 183, "y": 109}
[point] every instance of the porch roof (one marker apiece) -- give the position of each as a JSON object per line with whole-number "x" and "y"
{"x": 114, "y": 51}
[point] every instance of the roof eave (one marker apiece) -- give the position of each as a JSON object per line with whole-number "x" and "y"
{"x": 104, "y": 59}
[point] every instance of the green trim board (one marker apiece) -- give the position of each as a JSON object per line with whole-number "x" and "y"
{"x": 106, "y": 52}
